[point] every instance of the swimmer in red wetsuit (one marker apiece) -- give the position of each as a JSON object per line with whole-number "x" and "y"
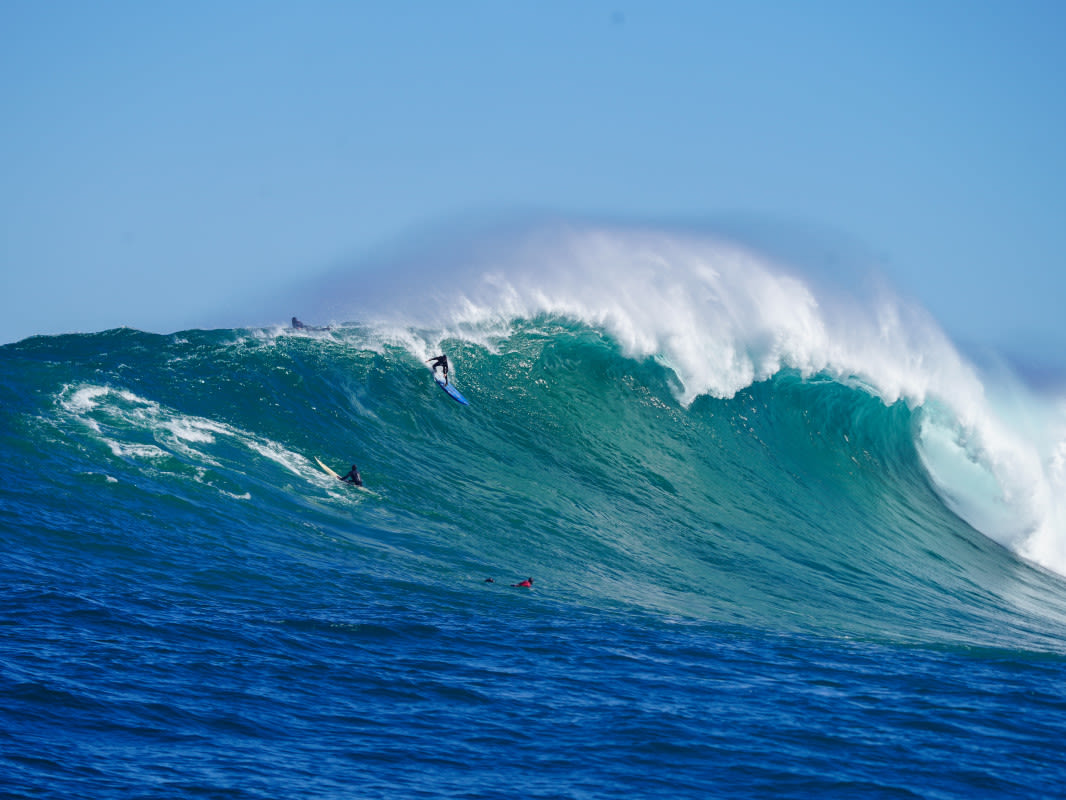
{"x": 526, "y": 584}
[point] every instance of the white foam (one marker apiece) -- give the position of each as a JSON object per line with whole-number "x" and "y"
{"x": 718, "y": 314}
{"x": 277, "y": 453}
{"x": 1004, "y": 471}
{"x": 193, "y": 429}
{"x": 148, "y": 452}
{"x": 81, "y": 399}
{"x": 130, "y": 419}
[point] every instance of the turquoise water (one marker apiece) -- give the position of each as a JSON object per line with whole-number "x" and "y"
{"x": 763, "y": 593}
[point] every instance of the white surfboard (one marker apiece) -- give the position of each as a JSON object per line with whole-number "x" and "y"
{"x": 326, "y": 469}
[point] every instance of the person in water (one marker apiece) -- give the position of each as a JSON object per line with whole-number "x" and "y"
{"x": 353, "y": 476}
{"x": 442, "y": 362}
{"x": 526, "y": 584}
{"x": 297, "y": 324}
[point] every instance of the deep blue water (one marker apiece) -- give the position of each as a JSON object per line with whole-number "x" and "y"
{"x": 763, "y": 594}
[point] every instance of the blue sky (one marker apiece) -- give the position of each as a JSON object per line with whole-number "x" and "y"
{"x": 164, "y": 162}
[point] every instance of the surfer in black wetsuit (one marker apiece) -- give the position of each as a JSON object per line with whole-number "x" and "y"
{"x": 297, "y": 324}
{"x": 442, "y": 362}
{"x": 353, "y": 476}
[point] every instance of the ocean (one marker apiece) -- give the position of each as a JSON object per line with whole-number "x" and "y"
{"x": 782, "y": 544}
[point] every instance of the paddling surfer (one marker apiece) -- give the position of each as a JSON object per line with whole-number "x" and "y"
{"x": 353, "y": 476}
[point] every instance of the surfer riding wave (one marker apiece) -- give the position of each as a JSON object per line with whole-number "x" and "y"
{"x": 442, "y": 362}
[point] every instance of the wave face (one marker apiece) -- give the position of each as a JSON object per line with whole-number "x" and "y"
{"x": 799, "y": 503}
{"x": 717, "y": 480}
{"x": 721, "y": 318}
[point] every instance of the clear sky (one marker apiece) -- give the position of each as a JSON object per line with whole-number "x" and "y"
{"x": 163, "y": 161}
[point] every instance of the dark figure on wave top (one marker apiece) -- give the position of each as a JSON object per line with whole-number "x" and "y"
{"x": 353, "y": 476}
{"x": 442, "y": 362}
{"x": 297, "y": 325}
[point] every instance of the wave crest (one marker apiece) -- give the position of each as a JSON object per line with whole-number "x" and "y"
{"x": 722, "y": 316}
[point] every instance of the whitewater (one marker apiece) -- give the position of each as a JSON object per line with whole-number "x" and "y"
{"x": 786, "y": 540}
